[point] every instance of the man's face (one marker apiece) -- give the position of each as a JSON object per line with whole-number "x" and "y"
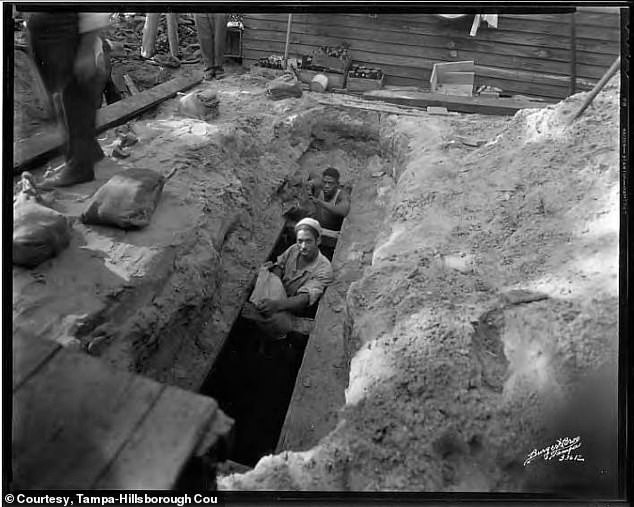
{"x": 330, "y": 185}
{"x": 306, "y": 242}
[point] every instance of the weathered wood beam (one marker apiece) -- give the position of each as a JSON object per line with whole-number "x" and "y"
{"x": 37, "y": 150}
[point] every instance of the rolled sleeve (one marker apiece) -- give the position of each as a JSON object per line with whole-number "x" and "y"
{"x": 317, "y": 283}
{"x": 283, "y": 257}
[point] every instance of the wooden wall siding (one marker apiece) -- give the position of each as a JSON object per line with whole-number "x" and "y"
{"x": 526, "y": 54}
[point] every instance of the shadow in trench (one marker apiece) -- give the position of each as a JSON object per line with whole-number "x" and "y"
{"x": 254, "y": 389}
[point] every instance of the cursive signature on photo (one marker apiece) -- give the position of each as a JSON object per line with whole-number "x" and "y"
{"x": 563, "y": 449}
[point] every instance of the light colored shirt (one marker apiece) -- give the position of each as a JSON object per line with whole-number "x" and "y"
{"x": 311, "y": 279}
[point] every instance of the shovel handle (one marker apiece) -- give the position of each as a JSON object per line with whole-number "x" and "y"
{"x": 597, "y": 88}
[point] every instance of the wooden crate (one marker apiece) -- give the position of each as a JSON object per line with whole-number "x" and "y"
{"x": 453, "y": 78}
{"x": 332, "y": 63}
{"x": 359, "y": 84}
{"x": 335, "y": 80}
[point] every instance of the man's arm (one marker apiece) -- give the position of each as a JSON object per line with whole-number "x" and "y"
{"x": 277, "y": 270}
{"x": 293, "y": 304}
{"x": 316, "y": 285}
{"x": 340, "y": 208}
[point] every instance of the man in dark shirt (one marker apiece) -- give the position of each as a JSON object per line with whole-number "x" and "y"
{"x": 332, "y": 201}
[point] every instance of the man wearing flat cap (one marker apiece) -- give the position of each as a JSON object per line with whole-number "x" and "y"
{"x": 304, "y": 272}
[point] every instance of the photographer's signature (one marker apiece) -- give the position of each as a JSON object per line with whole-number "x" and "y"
{"x": 563, "y": 449}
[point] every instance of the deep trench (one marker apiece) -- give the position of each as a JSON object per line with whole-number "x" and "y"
{"x": 253, "y": 389}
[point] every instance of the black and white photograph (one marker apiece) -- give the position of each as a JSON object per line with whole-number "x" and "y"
{"x": 350, "y": 251}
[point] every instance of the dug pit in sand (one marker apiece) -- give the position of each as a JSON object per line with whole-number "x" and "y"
{"x": 486, "y": 297}
{"x": 161, "y": 300}
{"x": 485, "y": 329}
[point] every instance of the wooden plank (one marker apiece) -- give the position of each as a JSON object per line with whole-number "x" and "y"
{"x": 603, "y": 10}
{"x": 585, "y": 31}
{"x": 480, "y": 105}
{"x": 456, "y": 89}
{"x": 35, "y": 151}
{"x": 30, "y": 354}
{"x": 552, "y": 94}
{"x": 71, "y": 419}
{"x": 160, "y": 446}
{"x": 607, "y": 20}
{"x": 124, "y": 110}
{"x": 380, "y": 108}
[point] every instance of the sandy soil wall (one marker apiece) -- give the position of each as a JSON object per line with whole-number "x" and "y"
{"x": 486, "y": 327}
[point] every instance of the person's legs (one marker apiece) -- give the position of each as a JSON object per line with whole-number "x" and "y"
{"x": 220, "y": 34}
{"x": 81, "y": 114}
{"x": 205, "y": 32}
{"x": 54, "y": 38}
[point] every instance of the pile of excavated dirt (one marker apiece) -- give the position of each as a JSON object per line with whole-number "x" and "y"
{"x": 485, "y": 329}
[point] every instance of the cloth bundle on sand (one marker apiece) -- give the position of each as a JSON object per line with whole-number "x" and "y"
{"x": 201, "y": 105}
{"x": 39, "y": 232}
{"x": 127, "y": 200}
{"x": 284, "y": 87}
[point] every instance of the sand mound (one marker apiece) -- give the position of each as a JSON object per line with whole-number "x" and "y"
{"x": 490, "y": 307}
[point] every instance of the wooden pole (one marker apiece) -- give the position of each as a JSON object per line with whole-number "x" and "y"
{"x": 597, "y": 88}
{"x": 288, "y": 37}
{"x": 573, "y": 54}
{"x": 172, "y": 33}
{"x": 149, "y": 34}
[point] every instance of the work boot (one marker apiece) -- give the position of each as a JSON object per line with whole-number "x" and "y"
{"x": 209, "y": 74}
{"x": 219, "y": 72}
{"x": 66, "y": 176}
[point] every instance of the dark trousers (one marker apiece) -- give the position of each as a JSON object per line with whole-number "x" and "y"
{"x": 54, "y": 39}
{"x": 212, "y": 31}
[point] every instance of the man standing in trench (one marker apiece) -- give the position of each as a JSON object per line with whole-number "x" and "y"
{"x": 304, "y": 273}
{"x": 332, "y": 205}
{"x": 68, "y": 52}
{"x": 212, "y": 31}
